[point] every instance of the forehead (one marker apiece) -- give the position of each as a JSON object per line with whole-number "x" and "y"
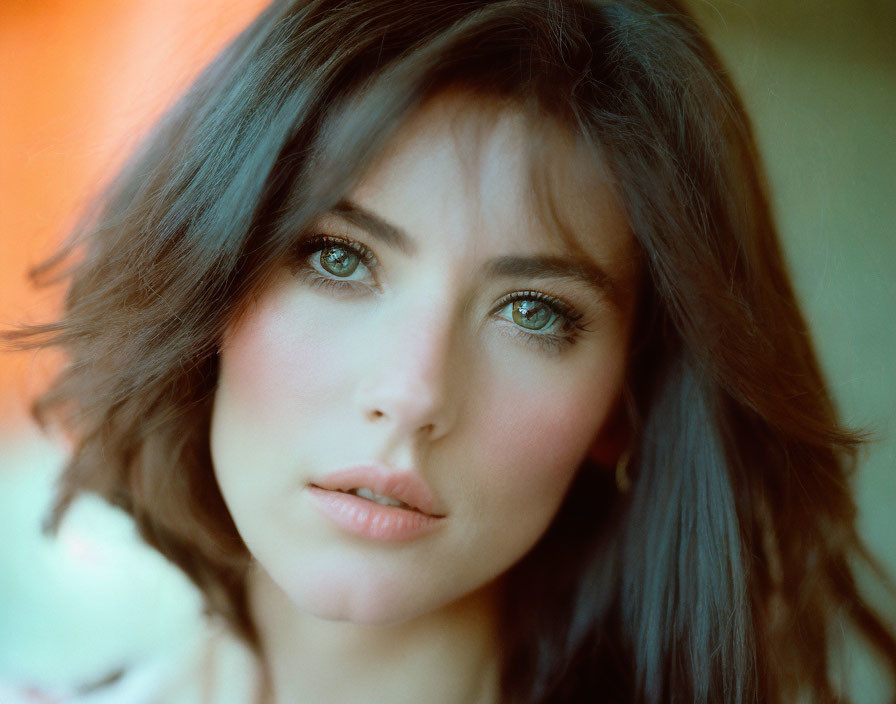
{"x": 499, "y": 178}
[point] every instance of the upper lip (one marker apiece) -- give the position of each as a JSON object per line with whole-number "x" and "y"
{"x": 405, "y": 486}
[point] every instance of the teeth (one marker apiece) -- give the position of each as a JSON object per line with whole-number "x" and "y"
{"x": 366, "y": 493}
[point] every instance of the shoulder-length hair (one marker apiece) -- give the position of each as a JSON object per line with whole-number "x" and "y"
{"x": 715, "y": 578}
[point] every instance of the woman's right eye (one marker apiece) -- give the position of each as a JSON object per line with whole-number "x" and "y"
{"x": 335, "y": 263}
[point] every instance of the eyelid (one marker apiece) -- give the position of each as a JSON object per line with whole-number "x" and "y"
{"x": 315, "y": 241}
{"x": 558, "y": 305}
{"x": 551, "y": 343}
{"x": 320, "y": 240}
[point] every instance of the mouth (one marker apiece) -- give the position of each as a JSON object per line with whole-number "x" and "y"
{"x": 377, "y": 503}
{"x": 369, "y": 494}
{"x": 382, "y": 485}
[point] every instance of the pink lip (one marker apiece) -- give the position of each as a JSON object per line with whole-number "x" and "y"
{"x": 369, "y": 519}
{"x": 406, "y": 487}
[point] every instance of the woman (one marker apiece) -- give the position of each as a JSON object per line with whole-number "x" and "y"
{"x": 452, "y": 355}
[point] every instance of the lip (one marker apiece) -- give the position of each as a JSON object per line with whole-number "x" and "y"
{"x": 368, "y": 519}
{"x": 406, "y": 487}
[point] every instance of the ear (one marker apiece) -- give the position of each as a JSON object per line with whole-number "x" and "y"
{"x": 613, "y": 439}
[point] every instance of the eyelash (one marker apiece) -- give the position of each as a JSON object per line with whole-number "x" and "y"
{"x": 568, "y": 320}
{"x": 567, "y": 316}
{"x": 303, "y": 249}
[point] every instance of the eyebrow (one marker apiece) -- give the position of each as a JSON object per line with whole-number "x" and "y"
{"x": 546, "y": 267}
{"x": 386, "y": 232}
{"x": 537, "y": 266}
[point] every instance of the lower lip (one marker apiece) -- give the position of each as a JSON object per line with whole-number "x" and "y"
{"x": 371, "y": 520}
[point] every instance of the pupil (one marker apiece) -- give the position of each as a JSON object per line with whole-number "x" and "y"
{"x": 531, "y": 314}
{"x": 339, "y": 261}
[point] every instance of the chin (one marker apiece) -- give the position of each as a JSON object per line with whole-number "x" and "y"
{"x": 364, "y": 602}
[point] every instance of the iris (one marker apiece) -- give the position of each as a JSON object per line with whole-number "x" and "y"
{"x": 533, "y": 315}
{"x": 339, "y": 261}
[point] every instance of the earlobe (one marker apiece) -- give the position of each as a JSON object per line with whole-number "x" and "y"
{"x": 605, "y": 452}
{"x": 613, "y": 457}
{"x": 613, "y": 440}
{"x": 612, "y": 449}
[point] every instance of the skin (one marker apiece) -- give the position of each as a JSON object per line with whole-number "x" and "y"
{"x": 414, "y": 366}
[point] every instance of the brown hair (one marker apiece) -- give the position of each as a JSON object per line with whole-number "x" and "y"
{"x": 739, "y": 529}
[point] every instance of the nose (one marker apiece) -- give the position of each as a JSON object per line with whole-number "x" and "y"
{"x": 407, "y": 387}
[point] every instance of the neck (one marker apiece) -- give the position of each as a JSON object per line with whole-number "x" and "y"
{"x": 445, "y": 657}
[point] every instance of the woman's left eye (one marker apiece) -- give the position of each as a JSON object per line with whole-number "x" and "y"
{"x": 541, "y": 319}
{"x": 334, "y": 262}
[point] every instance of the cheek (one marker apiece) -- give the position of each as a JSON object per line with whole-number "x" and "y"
{"x": 275, "y": 363}
{"x": 275, "y": 375}
{"x": 537, "y": 438}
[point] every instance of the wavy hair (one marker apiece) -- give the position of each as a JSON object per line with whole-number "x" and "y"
{"x": 739, "y": 529}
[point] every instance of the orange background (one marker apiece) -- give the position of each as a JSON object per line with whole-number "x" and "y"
{"x": 80, "y": 82}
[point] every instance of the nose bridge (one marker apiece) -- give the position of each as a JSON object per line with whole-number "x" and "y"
{"x": 410, "y": 383}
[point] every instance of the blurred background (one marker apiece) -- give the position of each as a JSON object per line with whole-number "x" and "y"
{"x": 81, "y": 82}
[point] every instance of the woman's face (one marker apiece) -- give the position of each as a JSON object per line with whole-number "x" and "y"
{"x": 429, "y": 333}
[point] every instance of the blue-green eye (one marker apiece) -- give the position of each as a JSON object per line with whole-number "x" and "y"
{"x": 339, "y": 260}
{"x": 333, "y": 262}
{"x": 543, "y": 320}
{"x": 532, "y": 315}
